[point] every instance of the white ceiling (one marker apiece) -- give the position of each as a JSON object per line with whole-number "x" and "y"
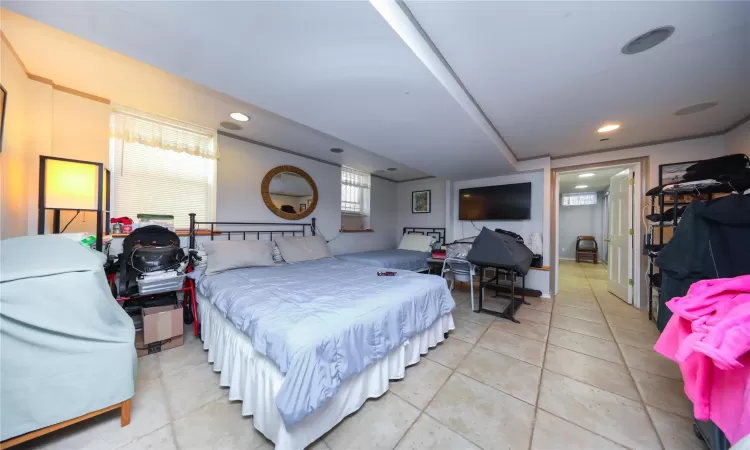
{"x": 549, "y": 73}
{"x": 599, "y": 182}
{"x": 108, "y": 74}
{"x": 545, "y": 73}
{"x": 337, "y": 67}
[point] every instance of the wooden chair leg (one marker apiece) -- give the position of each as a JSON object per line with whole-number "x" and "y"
{"x": 125, "y": 413}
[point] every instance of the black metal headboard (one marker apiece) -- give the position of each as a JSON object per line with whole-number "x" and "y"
{"x": 281, "y": 229}
{"x": 438, "y": 233}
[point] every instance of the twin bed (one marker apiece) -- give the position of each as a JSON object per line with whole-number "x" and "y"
{"x": 413, "y": 258}
{"x": 304, "y": 345}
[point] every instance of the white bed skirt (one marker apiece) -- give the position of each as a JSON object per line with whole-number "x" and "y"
{"x": 255, "y": 380}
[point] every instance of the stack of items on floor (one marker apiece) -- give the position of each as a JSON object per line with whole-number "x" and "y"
{"x": 152, "y": 272}
{"x": 709, "y": 337}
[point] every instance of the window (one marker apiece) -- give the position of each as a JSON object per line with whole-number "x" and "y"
{"x": 355, "y": 192}
{"x": 579, "y": 199}
{"x": 162, "y": 166}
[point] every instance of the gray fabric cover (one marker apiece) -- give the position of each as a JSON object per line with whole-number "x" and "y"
{"x": 66, "y": 346}
{"x": 500, "y": 250}
{"x": 299, "y": 249}
{"x": 226, "y": 255}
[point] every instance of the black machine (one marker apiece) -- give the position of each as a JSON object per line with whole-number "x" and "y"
{"x": 145, "y": 250}
{"x": 508, "y": 257}
{"x": 502, "y": 202}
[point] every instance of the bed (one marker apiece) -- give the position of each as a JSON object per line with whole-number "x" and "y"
{"x": 398, "y": 258}
{"x": 304, "y": 345}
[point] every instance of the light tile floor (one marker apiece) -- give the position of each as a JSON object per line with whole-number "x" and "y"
{"x": 579, "y": 373}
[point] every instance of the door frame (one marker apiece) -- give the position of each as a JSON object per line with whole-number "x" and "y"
{"x": 640, "y": 168}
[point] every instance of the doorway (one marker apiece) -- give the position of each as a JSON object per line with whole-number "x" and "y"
{"x": 596, "y": 225}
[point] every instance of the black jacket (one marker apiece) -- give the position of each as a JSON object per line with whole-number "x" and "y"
{"x": 711, "y": 241}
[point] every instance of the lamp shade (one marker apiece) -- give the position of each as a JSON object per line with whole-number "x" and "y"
{"x": 71, "y": 185}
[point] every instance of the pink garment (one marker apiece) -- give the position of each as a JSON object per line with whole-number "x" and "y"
{"x": 709, "y": 337}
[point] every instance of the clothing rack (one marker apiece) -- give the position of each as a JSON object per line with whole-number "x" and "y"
{"x": 704, "y": 190}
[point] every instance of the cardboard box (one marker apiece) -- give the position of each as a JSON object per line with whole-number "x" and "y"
{"x": 142, "y": 349}
{"x": 161, "y": 323}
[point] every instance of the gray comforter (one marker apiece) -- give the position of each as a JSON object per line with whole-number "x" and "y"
{"x": 324, "y": 321}
{"x": 390, "y": 259}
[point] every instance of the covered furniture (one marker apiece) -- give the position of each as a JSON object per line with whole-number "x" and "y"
{"x": 66, "y": 347}
{"x": 586, "y": 248}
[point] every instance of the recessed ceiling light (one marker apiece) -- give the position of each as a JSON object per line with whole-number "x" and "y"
{"x": 581, "y": 186}
{"x": 586, "y": 175}
{"x": 239, "y": 117}
{"x": 695, "y": 108}
{"x": 337, "y": 150}
{"x": 230, "y": 126}
{"x": 609, "y": 127}
{"x": 647, "y": 40}
{"x": 392, "y": 169}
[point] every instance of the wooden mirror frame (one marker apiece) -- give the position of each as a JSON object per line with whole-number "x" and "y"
{"x": 265, "y": 185}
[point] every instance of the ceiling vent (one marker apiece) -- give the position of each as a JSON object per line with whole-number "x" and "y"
{"x": 230, "y": 126}
{"x": 648, "y": 40}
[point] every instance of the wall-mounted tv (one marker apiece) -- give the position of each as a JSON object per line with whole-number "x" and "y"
{"x": 502, "y": 202}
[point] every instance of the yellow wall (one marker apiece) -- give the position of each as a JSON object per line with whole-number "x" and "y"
{"x": 42, "y": 120}
{"x": 13, "y": 159}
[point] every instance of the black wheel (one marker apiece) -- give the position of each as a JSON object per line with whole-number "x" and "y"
{"x": 187, "y": 314}
{"x": 697, "y": 431}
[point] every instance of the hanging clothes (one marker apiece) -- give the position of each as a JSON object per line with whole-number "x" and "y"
{"x": 709, "y": 337}
{"x": 711, "y": 242}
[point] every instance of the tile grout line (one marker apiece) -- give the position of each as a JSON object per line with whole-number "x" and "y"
{"x": 640, "y": 395}
{"x": 565, "y": 419}
{"x": 541, "y": 375}
{"x": 453, "y": 372}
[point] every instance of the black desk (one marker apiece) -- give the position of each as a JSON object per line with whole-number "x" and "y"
{"x": 506, "y": 284}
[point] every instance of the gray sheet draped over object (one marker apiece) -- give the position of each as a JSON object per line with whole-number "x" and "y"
{"x": 66, "y": 346}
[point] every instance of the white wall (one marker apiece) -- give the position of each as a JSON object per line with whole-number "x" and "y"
{"x": 738, "y": 140}
{"x": 583, "y": 220}
{"x": 435, "y": 218}
{"x": 242, "y": 168}
{"x": 535, "y": 279}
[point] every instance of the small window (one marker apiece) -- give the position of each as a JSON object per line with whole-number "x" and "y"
{"x": 355, "y": 192}
{"x": 161, "y": 166}
{"x": 579, "y": 199}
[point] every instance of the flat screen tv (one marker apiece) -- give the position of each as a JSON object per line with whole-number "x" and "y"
{"x": 502, "y": 202}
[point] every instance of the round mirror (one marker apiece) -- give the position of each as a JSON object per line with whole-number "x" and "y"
{"x": 289, "y": 192}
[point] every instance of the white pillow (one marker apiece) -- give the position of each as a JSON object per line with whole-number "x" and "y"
{"x": 225, "y": 255}
{"x": 298, "y": 249}
{"x": 416, "y": 242}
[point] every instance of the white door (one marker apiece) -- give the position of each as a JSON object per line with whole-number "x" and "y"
{"x": 620, "y": 242}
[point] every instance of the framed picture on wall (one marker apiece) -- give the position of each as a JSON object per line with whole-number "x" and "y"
{"x": 3, "y": 102}
{"x": 421, "y": 202}
{"x": 673, "y": 173}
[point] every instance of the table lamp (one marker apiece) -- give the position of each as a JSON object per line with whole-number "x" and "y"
{"x": 72, "y": 185}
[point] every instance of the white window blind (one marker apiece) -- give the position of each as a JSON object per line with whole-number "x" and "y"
{"x": 355, "y": 192}
{"x": 579, "y": 199}
{"x": 161, "y": 166}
